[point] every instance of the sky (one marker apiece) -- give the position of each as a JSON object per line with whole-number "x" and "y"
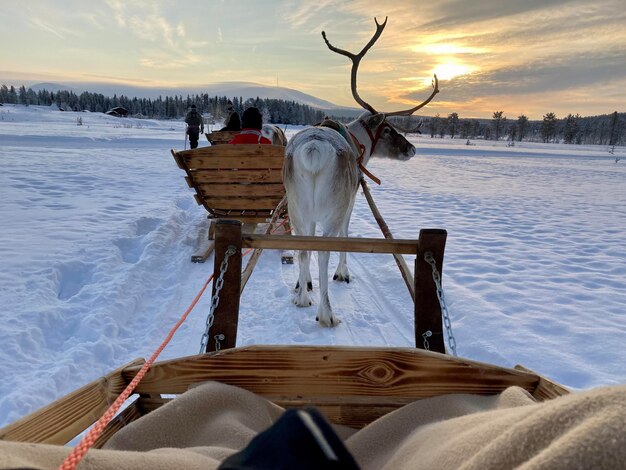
{"x": 98, "y": 226}
{"x": 522, "y": 57}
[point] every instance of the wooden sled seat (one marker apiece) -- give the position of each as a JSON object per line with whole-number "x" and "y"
{"x": 221, "y": 137}
{"x": 242, "y": 182}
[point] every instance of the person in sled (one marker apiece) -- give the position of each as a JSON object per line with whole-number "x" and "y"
{"x": 233, "y": 122}
{"x": 195, "y": 125}
{"x": 252, "y": 123}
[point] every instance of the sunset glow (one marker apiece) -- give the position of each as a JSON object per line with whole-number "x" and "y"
{"x": 450, "y": 70}
{"x": 562, "y": 56}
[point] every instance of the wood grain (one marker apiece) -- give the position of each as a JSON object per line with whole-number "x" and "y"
{"x": 241, "y": 190}
{"x": 355, "y": 245}
{"x": 225, "y": 176}
{"x": 546, "y": 388}
{"x": 308, "y": 371}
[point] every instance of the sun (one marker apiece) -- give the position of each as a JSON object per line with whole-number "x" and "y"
{"x": 449, "y": 70}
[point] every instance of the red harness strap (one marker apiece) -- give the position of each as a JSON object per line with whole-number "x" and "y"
{"x": 374, "y": 140}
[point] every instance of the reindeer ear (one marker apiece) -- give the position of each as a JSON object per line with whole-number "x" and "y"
{"x": 375, "y": 120}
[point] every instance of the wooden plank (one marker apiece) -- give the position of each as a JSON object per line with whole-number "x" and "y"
{"x": 203, "y": 255}
{"x": 261, "y": 175}
{"x": 262, "y": 217}
{"x": 65, "y": 418}
{"x": 241, "y": 190}
{"x": 355, "y": 245}
{"x": 427, "y": 309}
{"x": 223, "y": 333}
{"x": 252, "y": 150}
{"x": 243, "y": 161}
{"x": 240, "y": 203}
{"x": 177, "y": 159}
{"x": 221, "y": 137}
{"x": 334, "y": 371}
{"x": 546, "y": 388}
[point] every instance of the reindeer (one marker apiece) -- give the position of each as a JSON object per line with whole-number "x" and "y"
{"x": 275, "y": 134}
{"x": 321, "y": 174}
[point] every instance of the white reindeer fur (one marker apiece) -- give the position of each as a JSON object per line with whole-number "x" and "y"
{"x": 321, "y": 177}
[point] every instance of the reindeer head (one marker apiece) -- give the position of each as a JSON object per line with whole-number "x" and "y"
{"x": 385, "y": 139}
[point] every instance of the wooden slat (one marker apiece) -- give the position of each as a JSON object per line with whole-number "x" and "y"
{"x": 221, "y": 137}
{"x": 234, "y": 151}
{"x": 355, "y": 245}
{"x": 241, "y": 161}
{"x": 248, "y": 203}
{"x": 62, "y": 420}
{"x": 247, "y": 218}
{"x": 546, "y": 388}
{"x": 226, "y": 319}
{"x": 332, "y": 371}
{"x": 242, "y": 190}
{"x": 427, "y": 313}
{"x": 262, "y": 175}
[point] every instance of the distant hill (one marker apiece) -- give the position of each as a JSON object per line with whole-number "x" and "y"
{"x": 229, "y": 89}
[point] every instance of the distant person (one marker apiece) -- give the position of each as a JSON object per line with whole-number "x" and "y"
{"x": 252, "y": 123}
{"x": 233, "y": 121}
{"x": 195, "y": 125}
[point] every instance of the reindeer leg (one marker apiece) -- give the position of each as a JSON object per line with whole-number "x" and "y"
{"x": 302, "y": 297}
{"x": 325, "y": 314}
{"x": 342, "y": 274}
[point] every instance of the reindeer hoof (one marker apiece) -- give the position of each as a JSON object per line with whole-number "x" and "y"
{"x": 297, "y": 284}
{"x": 309, "y": 286}
{"x": 317, "y": 319}
{"x": 342, "y": 278}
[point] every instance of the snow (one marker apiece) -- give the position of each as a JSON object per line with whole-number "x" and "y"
{"x": 97, "y": 227}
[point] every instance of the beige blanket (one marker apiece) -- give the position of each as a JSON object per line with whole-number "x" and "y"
{"x": 200, "y": 428}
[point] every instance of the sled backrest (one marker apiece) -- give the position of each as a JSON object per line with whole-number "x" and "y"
{"x": 221, "y": 137}
{"x": 241, "y": 182}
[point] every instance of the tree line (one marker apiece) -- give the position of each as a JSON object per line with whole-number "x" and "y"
{"x": 170, "y": 107}
{"x": 605, "y": 129}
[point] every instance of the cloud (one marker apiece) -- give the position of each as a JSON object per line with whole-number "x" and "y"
{"x": 300, "y": 15}
{"x": 56, "y": 30}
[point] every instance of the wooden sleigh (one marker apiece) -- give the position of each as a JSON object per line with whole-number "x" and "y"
{"x": 352, "y": 386}
{"x": 238, "y": 182}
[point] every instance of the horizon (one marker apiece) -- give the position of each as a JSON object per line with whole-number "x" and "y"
{"x": 531, "y": 58}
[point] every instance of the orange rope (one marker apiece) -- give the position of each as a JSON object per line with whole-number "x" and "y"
{"x": 71, "y": 461}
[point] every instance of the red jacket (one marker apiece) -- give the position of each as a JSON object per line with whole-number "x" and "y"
{"x": 250, "y": 136}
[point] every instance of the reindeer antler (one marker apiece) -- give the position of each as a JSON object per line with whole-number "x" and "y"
{"x": 408, "y": 112}
{"x": 356, "y": 59}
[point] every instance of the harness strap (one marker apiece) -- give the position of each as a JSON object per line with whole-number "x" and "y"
{"x": 359, "y": 160}
{"x": 359, "y": 146}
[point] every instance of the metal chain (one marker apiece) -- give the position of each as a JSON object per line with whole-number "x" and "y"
{"x": 427, "y": 334}
{"x": 215, "y": 302}
{"x": 428, "y": 257}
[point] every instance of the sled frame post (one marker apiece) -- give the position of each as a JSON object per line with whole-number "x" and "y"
{"x": 224, "y": 329}
{"x": 427, "y": 308}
